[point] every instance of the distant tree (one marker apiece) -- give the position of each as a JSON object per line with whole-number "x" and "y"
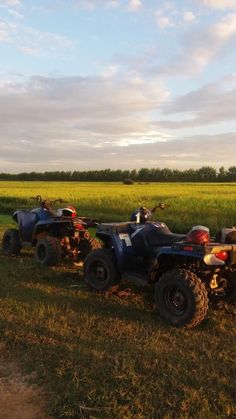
{"x": 231, "y": 173}
{"x": 222, "y": 175}
{"x": 206, "y": 174}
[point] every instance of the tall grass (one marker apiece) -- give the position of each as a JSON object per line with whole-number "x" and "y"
{"x": 187, "y": 204}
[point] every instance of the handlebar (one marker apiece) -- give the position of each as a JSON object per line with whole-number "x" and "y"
{"x": 161, "y": 206}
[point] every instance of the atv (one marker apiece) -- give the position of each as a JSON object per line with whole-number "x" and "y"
{"x": 187, "y": 269}
{"x": 56, "y": 234}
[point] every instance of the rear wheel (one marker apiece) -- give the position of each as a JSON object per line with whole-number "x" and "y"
{"x": 11, "y": 242}
{"x": 48, "y": 251}
{"x": 100, "y": 271}
{"x": 181, "y": 298}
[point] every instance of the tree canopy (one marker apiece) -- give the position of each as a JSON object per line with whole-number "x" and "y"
{"x": 203, "y": 174}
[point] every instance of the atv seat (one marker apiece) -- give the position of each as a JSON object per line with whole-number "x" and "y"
{"x": 149, "y": 237}
{"x": 162, "y": 238}
{"x": 114, "y": 227}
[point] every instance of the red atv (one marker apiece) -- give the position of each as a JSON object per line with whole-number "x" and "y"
{"x": 56, "y": 234}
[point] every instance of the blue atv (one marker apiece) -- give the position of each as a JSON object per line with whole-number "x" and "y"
{"x": 56, "y": 234}
{"x": 187, "y": 269}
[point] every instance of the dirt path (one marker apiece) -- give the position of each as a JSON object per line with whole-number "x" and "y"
{"x": 18, "y": 398}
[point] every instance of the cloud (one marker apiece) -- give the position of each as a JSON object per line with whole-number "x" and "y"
{"x": 134, "y": 5}
{"x": 95, "y": 122}
{"x": 4, "y": 32}
{"x": 48, "y": 118}
{"x": 32, "y": 41}
{"x": 219, "y": 4}
{"x": 202, "y": 106}
{"x": 189, "y": 16}
{"x": 11, "y": 3}
{"x": 81, "y": 98}
{"x": 200, "y": 48}
{"x": 163, "y": 21}
{"x": 194, "y": 151}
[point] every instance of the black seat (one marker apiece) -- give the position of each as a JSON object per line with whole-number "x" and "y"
{"x": 149, "y": 236}
{"x": 161, "y": 237}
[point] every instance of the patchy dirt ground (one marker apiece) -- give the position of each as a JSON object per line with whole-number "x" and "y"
{"x": 18, "y": 398}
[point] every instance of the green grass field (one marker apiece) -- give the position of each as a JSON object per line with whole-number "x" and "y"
{"x": 110, "y": 356}
{"x": 187, "y": 204}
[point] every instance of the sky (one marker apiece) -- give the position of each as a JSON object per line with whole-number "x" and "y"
{"x": 121, "y": 84}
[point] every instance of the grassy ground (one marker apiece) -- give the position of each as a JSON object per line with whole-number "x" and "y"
{"x": 110, "y": 356}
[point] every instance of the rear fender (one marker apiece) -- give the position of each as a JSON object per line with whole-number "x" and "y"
{"x": 26, "y": 222}
{"x": 206, "y": 254}
{"x": 51, "y": 225}
{"x": 121, "y": 244}
{"x": 168, "y": 250}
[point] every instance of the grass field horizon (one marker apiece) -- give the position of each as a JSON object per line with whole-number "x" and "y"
{"x": 109, "y": 355}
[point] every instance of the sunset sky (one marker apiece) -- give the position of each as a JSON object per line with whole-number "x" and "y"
{"x": 92, "y": 84}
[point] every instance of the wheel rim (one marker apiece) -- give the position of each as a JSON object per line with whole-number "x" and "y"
{"x": 99, "y": 274}
{"x": 175, "y": 300}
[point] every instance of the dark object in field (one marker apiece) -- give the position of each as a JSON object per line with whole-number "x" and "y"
{"x": 55, "y": 234}
{"x": 128, "y": 181}
{"x": 187, "y": 269}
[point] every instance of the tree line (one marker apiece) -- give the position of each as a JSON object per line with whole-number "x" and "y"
{"x": 203, "y": 174}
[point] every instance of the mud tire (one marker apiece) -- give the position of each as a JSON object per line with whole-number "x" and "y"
{"x": 181, "y": 298}
{"x": 100, "y": 270}
{"x": 11, "y": 244}
{"x": 48, "y": 251}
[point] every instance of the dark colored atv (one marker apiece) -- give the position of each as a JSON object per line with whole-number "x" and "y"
{"x": 55, "y": 234}
{"x": 187, "y": 269}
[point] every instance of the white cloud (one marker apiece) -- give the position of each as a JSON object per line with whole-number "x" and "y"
{"x": 32, "y": 41}
{"x": 189, "y": 16}
{"x": 219, "y": 4}
{"x": 163, "y": 21}
{"x": 134, "y": 5}
{"x": 51, "y": 119}
{"x": 112, "y": 4}
{"x": 11, "y": 3}
{"x": 4, "y": 32}
{"x": 211, "y": 104}
{"x": 200, "y": 48}
{"x": 88, "y": 122}
{"x": 90, "y": 4}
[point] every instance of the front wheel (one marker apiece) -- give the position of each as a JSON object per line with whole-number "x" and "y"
{"x": 100, "y": 271}
{"x": 181, "y": 298}
{"x": 11, "y": 242}
{"x": 48, "y": 251}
